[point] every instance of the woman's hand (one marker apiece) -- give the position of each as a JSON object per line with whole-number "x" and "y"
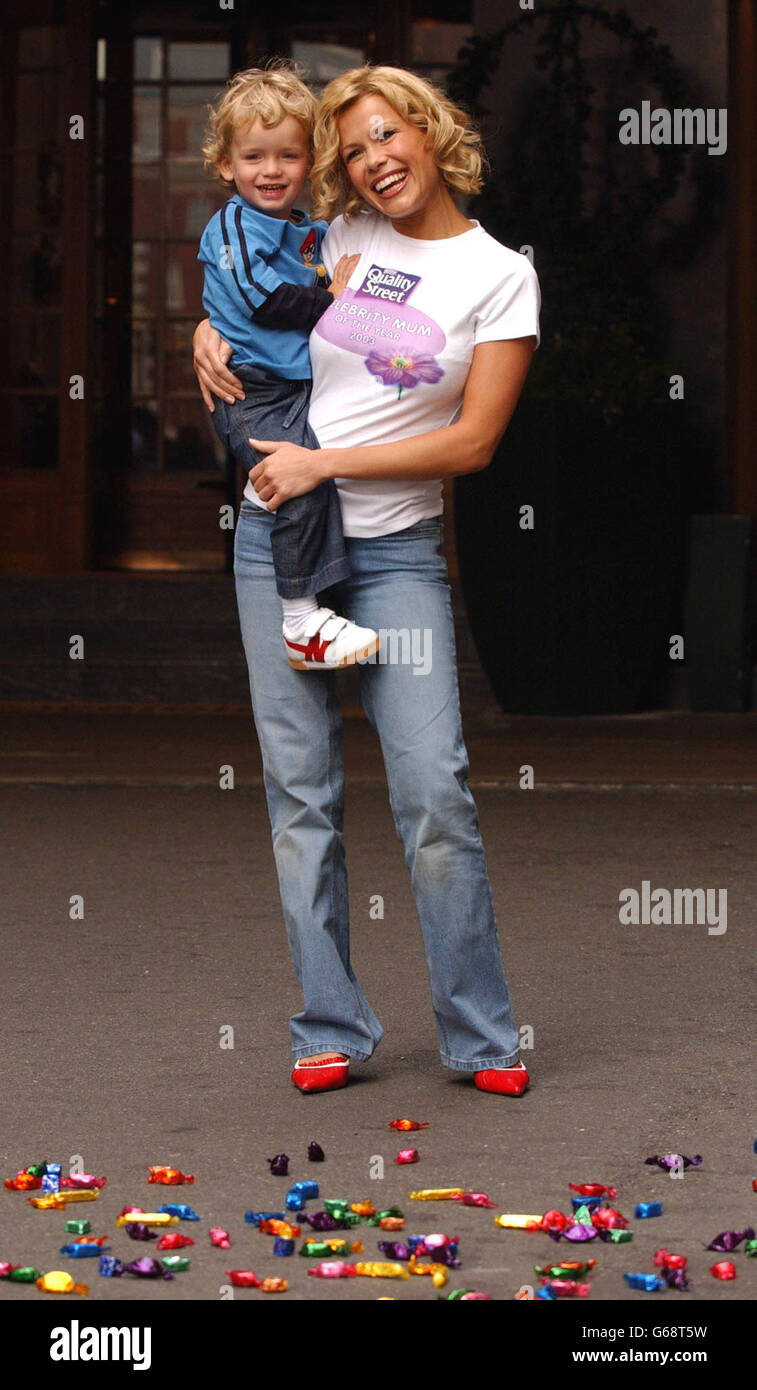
{"x": 211, "y": 353}
{"x": 288, "y": 471}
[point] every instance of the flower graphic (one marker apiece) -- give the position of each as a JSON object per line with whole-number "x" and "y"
{"x": 401, "y": 369}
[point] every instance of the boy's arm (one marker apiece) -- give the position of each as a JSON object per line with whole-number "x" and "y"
{"x": 294, "y": 306}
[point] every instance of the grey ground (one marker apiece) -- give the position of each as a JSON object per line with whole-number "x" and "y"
{"x": 643, "y": 1036}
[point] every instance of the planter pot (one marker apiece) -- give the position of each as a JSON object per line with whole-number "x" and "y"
{"x": 574, "y": 616}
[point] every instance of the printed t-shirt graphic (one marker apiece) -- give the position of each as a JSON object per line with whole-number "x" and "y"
{"x": 398, "y": 341}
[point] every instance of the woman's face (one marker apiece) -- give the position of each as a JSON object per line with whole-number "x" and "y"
{"x": 386, "y": 158}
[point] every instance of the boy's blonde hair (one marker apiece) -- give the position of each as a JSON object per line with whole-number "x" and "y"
{"x": 455, "y": 142}
{"x": 268, "y": 95}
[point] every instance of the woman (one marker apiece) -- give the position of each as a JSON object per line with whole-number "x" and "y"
{"x": 417, "y": 369}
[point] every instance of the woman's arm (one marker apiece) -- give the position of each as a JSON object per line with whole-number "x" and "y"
{"x": 497, "y": 373}
{"x": 211, "y": 353}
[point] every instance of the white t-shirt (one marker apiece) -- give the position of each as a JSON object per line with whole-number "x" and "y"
{"x": 391, "y": 356}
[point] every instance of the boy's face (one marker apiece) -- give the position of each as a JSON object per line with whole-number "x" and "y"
{"x": 269, "y": 165}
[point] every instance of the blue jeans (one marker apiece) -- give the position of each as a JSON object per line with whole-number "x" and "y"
{"x": 398, "y": 580}
{"x": 306, "y": 536}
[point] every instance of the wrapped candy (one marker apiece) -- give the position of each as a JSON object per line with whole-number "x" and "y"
{"x": 80, "y": 1251}
{"x": 553, "y": 1221}
{"x": 381, "y": 1269}
{"x": 283, "y": 1246}
{"x": 675, "y": 1278}
{"x": 279, "y": 1165}
{"x": 576, "y": 1233}
{"x": 322, "y": 1221}
{"x": 388, "y": 1212}
{"x": 59, "y": 1281}
{"x": 219, "y": 1237}
{"x": 724, "y": 1269}
{"x": 750, "y": 1247}
{"x": 23, "y": 1182}
{"x": 567, "y": 1288}
{"x": 22, "y": 1274}
{"x": 137, "y": 1230}
{"x": 333, "y": 1269}
{"x": 438, "y": 1272}
{"x": 649, "y": 1283}
{"x": 607, "y": 1219}
{"x": 754, "y": 1184}
{"x": 586, "y": 1204}
{"x": 437, "y": 1194}
{"x": 582, "y": 1215}
{"x": 243, "y": 1278}
{"x": 394, "y": 1249}
{"x": 516, "y": 1221}
{"x": 279, "y": 1228}
{"x": 51, "y": 1178}
{"x": 363, "y": 1208}
{"x": 176, "y": 1264}
{"x": 615, "y": 1236}
{"x": 318, "y": 1248}
{"x": 169, "y": 1177}
{"x": 273, "y": 1285}
{"x": 125, "y": 1211}
{"x": 147, "y": 1268}
{"x": 408, "y": 1124}
{"x": 173, "y": 1240}
{"x": 647, "y": 1209}
{"x": 566, "y": 1269}
{"x": 254, "y": 1218}
{"x": 545, "y": 1292}
{"x": 668, "y": 1261}
{"x": 668, "y": 1161}
{"x": 179, "y": 1210}
{"x": 58, "y": 1201}
{"x": 729, "y": 1240}
{"x": 148, "y": 1218}
{"x": 77, "y": 1180}
{"x": 593, "y": 1189}
{"x": 466, "y": 1296}
{"x": 307, "y": 1188}
{"x": 315, "y": 1152}
{"x": 336, "y": 1206}
{"x": 110, "y": 1267}
{"x": 91, "y": 1240}
{"x": 407, "y": 1156}
{"x": 474, "y": 1199}
{"x": 392, "y": 1223}
{"x": 78, "y": 1228}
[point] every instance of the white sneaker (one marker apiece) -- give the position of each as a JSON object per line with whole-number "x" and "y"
{"x": 329, "y": 642}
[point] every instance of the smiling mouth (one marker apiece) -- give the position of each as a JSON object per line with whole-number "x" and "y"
{"x": 389, "y": 184}
{"x": 271, "y": 187}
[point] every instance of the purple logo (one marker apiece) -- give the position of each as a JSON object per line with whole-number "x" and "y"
{"x": 391, "y": 286}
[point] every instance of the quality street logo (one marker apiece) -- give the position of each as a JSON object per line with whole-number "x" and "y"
{"x": 681, "y": 126}
{"x": 663, "y": 908}
{"x": 77, "y": 1343}
{"x": 391, "y": 285}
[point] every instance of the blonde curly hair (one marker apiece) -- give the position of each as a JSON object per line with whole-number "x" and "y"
{"x": 455, "y": 142}
{"x": 267, "y": 95}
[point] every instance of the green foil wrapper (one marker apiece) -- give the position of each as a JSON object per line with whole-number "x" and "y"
{"x": 25, "y": 1275}
{"x": 176, "y": 1263}
{"x": 78, "y": 1228}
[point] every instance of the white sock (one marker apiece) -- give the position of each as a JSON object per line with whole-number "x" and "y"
{"x": 296, "y": 610}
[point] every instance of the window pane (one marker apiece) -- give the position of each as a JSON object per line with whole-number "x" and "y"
{"x": 198, "y": 61}
{"x": 326, "y": 60}
{"x": 187, "y": 117}
{"x": 183, "y": 280}
{"x": 192, "y": 199}
{"x": 190, "y": 439}
{"x": 146, "y": 139}
{"x": 179, "y": 372}
{"x": 29, "y": 350}
{"x": 30, "y": 432}
{"x": 143, "y": 381}
{"x": 145, "y": 281}
{"x": 148, "y": 59}
{"x": 144, "y": 436}
{"x": 147, "y": 208}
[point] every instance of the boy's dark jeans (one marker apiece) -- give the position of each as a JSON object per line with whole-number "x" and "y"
{"x": 306, "y": 537}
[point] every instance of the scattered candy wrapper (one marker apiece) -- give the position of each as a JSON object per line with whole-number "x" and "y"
{"x": 669, "y": 1161}
{"x": 137, "y": 1230}
{"x": 219, "y": 1237}
{"x": 170, "y": 1177}
{"x": 315, "y": 1152}
{"x": 729, "y": 1240}
{"x": 407, "y": 1156}
{"x": 173, "y": 1240}
{"x": 567, "y": 1288}
{"x": 593, "y": 1189}
{"x": 279, "y": 1165}
{"x": 437, "y": 1194}
{"x": 643, "y": 1210}
{"x": 474, "y": 1199}
{"x": 147, "y": 1218}
{"x": 566, "y": 1269}
{"x": 333, "y": 1269}
{"x": 418, "y": 1124}
{"x": 381, "y": 1269}
{"x": 649, "y": 1283}
{"x": 517, "y": 1221}
{"x": 179, "y": 1210}
{"x": 60, "y": 1281}
{"x": 724, "y": 1269}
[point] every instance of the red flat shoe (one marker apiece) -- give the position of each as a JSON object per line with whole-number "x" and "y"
{"x": 503, "y": 1081}
{"x": 330, "y": 1074}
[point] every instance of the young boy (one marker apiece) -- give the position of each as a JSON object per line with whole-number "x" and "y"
{"x": 265, "y": 291}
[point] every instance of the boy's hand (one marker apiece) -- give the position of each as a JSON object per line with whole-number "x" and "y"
{"x": 342, "y": 272}
{"x": 211, "y": 353}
